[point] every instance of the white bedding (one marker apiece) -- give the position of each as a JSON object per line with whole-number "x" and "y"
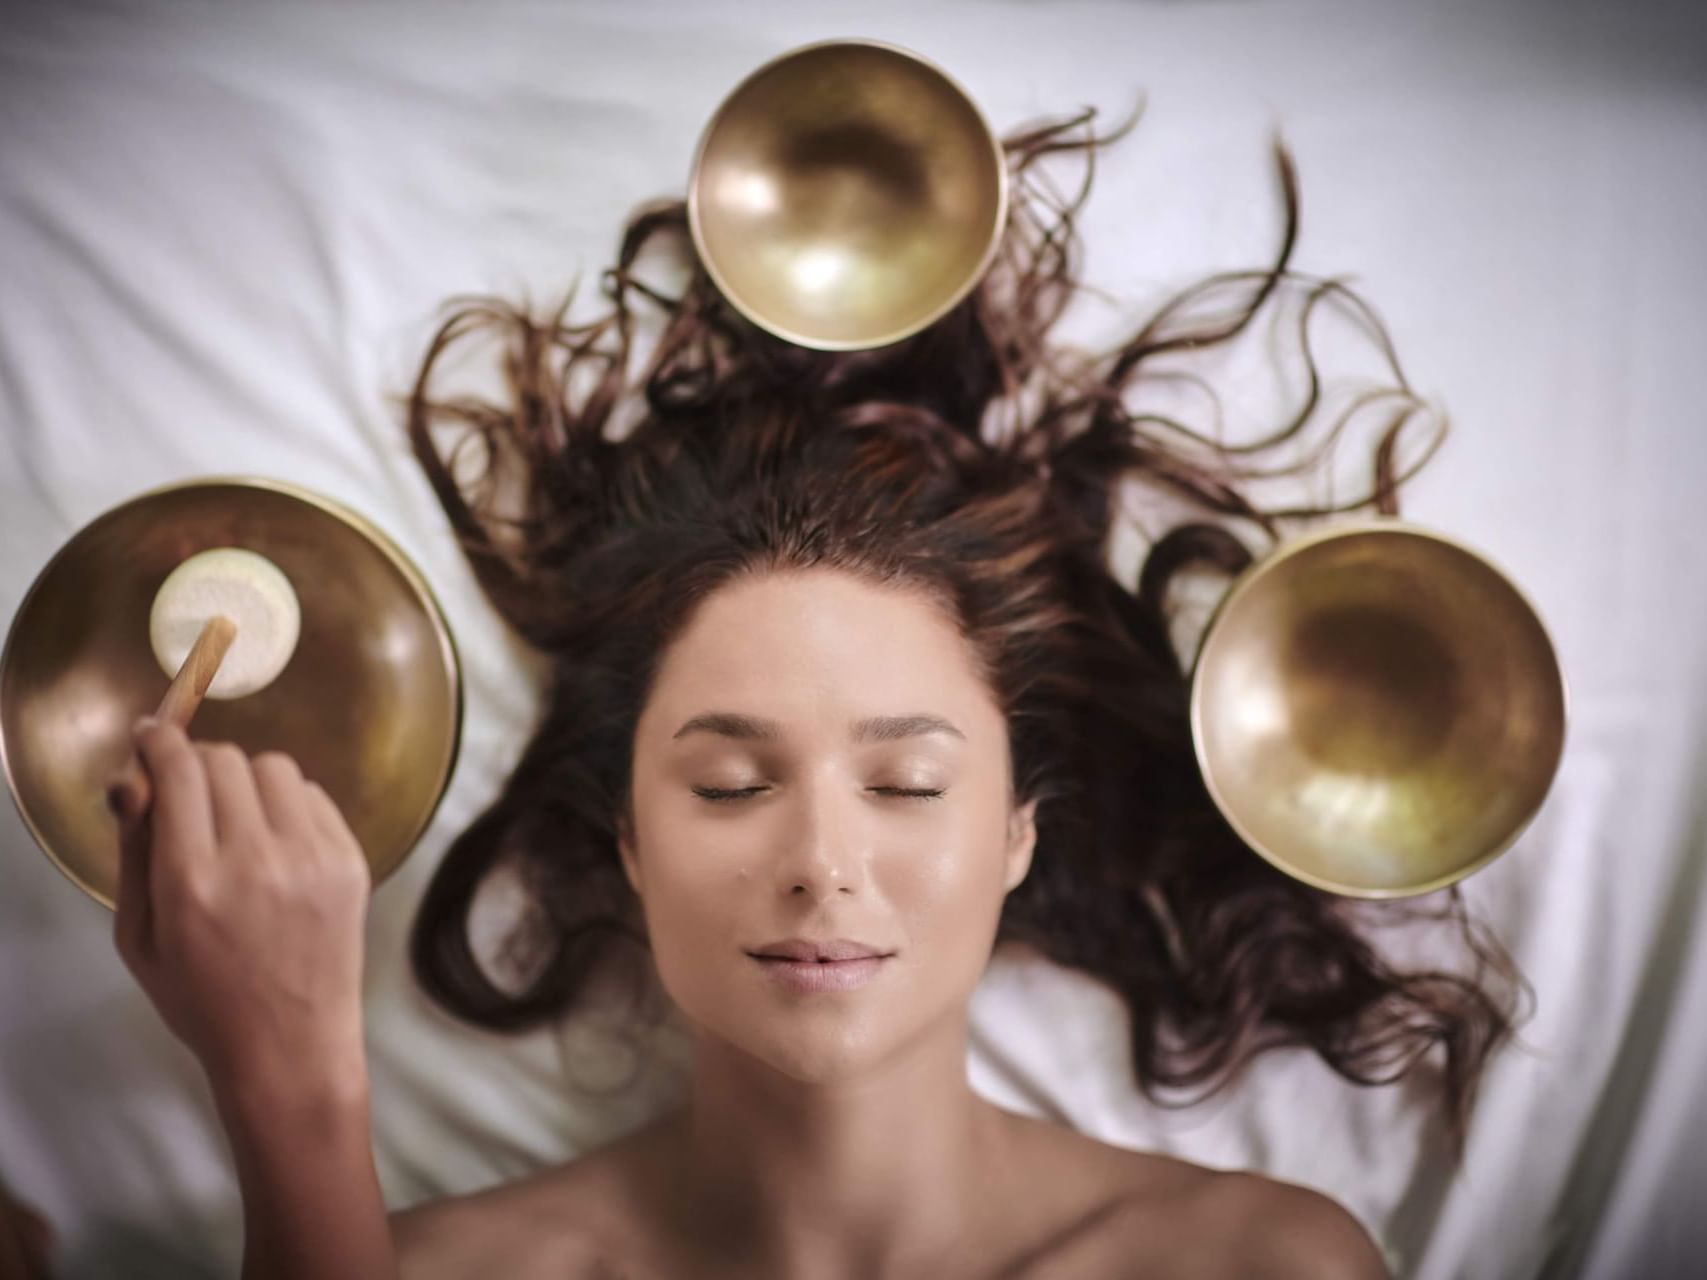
{"x": 224, "y": 232}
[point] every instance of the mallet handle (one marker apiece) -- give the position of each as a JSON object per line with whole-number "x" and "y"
{"x": 131, "y": 791}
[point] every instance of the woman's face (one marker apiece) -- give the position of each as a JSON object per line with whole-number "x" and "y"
{"x": 821, "y": 702}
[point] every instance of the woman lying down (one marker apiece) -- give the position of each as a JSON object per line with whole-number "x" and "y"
{"x": 844, "y": 693}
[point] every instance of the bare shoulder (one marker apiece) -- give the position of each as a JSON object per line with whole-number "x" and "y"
{"x": 554, "y": 1223}
{"x": 1161, "y": 1215}
{"x": 499, "y": 1231}
{"x": 1092, "y": 1210}
{"x": 1283, "y": 1231}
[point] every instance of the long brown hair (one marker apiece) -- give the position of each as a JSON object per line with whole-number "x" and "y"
{"x": 979, "y": 464}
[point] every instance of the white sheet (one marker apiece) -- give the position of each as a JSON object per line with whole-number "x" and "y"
{"x": 224, "y": 230}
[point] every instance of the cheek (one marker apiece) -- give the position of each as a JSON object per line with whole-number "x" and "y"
{"x": 946, "y": 894}
{"x": 689, "y": 902}
{"x": 704, "y": 894}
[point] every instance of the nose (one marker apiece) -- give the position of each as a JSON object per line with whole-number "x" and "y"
{"x": 822, "y": 853}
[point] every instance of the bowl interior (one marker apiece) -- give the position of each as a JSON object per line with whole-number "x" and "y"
{"x": 370, "y": 703}
{"x": 1379, "y": 712}
{"x": 847, "y": 195}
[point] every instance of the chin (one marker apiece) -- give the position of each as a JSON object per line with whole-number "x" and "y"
{"x": 818, "y": 1064}
{"x": 811, "y": 1054}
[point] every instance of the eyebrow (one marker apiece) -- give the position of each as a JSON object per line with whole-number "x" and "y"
{"x": 732, "y": 724}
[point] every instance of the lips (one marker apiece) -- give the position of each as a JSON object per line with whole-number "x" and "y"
{"x": 829, "y": 964}
{"x": 828, "y": 951}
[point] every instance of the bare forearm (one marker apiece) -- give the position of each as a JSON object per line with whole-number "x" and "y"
{"x": 312, "y": 1206}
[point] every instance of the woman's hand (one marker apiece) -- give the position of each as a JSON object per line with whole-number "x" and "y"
{"x": 242, "y": 896}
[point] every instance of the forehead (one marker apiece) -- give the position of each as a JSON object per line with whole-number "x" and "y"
{"x": 799, "y": 643}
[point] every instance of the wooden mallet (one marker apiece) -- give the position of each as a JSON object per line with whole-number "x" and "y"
{"x": 131, "y": 791}
{"x": 223, "y": 597}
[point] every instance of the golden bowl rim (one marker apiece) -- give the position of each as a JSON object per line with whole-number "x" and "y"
{"x": 756, "y": 316}
{"x": 1259, "y": 569}
{"x": 331, "y": 506}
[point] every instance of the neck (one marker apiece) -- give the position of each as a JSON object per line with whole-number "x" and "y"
{"x": 848, "y": 1178}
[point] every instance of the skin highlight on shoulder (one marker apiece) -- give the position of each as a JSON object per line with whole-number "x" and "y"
{"x": 522, "y": 1229}
{"x": 1126, "y": 1213}
{"x": 1291, "y": 1232}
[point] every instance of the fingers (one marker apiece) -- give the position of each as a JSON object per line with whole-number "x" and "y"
{"x": 323, "y": 813}
{"x": 133, "y": 912}
{"x": 283, "y": 794}
{"x": 302, "y": 810}
{"x": 209, "y": 797}
{"x": 238, "y": 818}
{"x": 333, "y": 829}
{"x": 180, "y": 822}
{"x": 171, "y": 771}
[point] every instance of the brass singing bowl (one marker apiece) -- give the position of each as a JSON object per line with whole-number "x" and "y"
{"x": 1377, "y": 709}
{"x": 370, "y": 704}
{"x": 846, "y": 194}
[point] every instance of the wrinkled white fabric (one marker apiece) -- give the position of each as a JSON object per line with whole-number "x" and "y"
{"x": 225, "y": 231}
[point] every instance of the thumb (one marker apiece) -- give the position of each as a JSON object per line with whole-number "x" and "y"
{"x": 123, "y": 799}
{"x": 132, "y": 924}
{"x": 132, "y": 913}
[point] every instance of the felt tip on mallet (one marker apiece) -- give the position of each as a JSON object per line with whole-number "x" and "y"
{"x": 224, "y": 625}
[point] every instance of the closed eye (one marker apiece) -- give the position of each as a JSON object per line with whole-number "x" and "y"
{"x": 722, "y": 795}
